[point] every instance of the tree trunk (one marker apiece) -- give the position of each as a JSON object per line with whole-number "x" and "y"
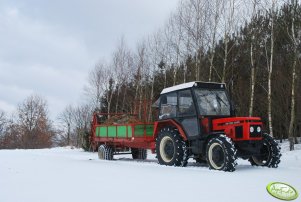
{"x": 123, "y": 99}
{"x": 270, "y": 79}
{"x": 165, "y": 77}
{"x": 252, "y": 82}
{"x": 109, "y": 103}
{"x": 151, "y": 99}
{"x": 175, "y": 75}
{"x": 68, "y": 135}
{"x": 292, "y": 118}
{"x": 294, "y": 78}
{"x": 196, "y": 67}
{"x": 225, "y": 58}
{"x": 184, "y": 74}
{"x": 140, "y": 103}
{"x": 211, "y": 67}
{"x": 117, "y": 100}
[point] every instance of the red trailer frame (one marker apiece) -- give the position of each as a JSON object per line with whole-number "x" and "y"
{"x": 144, "y": 141}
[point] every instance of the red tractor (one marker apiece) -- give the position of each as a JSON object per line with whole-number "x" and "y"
{"x": 196, "y": 120}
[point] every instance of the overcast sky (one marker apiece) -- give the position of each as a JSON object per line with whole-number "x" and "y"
{"x": 48, "y": 47}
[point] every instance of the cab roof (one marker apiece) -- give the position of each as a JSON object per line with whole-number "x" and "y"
{"x": 209, "y": 85}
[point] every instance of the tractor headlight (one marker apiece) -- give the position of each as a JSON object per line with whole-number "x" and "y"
{"x": 251, "y": 129}
{"x": 258, "y": 129}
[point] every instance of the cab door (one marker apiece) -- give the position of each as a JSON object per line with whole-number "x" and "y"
{"x": 186, "y": 114}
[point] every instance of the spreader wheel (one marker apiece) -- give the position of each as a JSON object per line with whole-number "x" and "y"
{"x": 105, "y": 152}
{"x": 200, "y": 160}
{"x": 269, "y": 153}
{"x": 221, "y": 154}
{"x": 170, "y": 148}
{"x": 139, "y": 153}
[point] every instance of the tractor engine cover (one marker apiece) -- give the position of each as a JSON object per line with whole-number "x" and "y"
{"x": 239, "y": 128}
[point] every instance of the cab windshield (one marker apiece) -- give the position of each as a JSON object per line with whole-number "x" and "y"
{"x": 212, "y": 102}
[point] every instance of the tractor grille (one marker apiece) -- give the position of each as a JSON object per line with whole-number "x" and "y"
{"x": 238, "y": 131}
{"x": 255, "y": 133}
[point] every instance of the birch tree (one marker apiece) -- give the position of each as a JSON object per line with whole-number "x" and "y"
{"x": 229, "y": 27}
{"x": 295, "y": 38}
{"x": 270, "y": 67}
{"x": 120, "y": 63}
{"x": 216, "y": 8}
{"x": 100, "y": 86}
{"x": 154, "y": 59}
{"x": 252, "y": 59}
{"x": 142, "y": 65}
{"x": 195, "y": 14}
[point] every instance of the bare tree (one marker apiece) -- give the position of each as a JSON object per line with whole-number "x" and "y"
{"x": 270, "y": 66}
{"x": 216, "y": 8}
{"x": 194, "y": 18}
{"x": 121, "y": 63}
{"x": 66, "y": 118}
{"x": 82, "y": 119}
{"x": 174, "y": 38}
{"x": 154, "y": 59}
{"x": 229, "y": 27}
{"x": 142, "y": 65}
{"x": 94, "y": 89}
{"x": 101, "y": 85}
{"x": 295, "y": 41}
{"x": 2, "y": 122}
{"x": 34, "y": 124}
{"x": 2, "y": 128}
{"x": 252, "y": 59}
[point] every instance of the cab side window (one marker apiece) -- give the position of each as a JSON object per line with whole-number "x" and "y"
{"x": 168, "y": 106}
{"x": 186, "y": 105}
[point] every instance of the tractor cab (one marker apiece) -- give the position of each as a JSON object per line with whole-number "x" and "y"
{"x": 193, "y": 105}
{"x": 201, "y": 115}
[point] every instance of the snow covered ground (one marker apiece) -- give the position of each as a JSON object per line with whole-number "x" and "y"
{"x": 64, "y": 174}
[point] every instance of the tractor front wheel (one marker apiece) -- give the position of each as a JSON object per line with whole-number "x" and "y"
{"x": 105, "y": 152}
{"x": 221, "y": 154}
{"x": 269, "y": 153}
{"x": 170, "y": 148}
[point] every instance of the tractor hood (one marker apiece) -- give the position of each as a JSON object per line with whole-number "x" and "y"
{"x": 239, "y": 128}
{"x": 235, "y": 120}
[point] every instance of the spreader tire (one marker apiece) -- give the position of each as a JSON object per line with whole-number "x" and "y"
{"x": 139, "y": 153}
{"x": 200, "y": 160}
{"x": 221, "y": 154}
{"x": 270, "y": 153}
{"x": 105, "y": 152}
{"x": 170, "y": 148}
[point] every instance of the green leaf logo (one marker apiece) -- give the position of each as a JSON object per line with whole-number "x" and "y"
{"x": 282, "y": 191}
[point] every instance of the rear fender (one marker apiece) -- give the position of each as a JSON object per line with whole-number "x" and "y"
{"x": 165, "y": 123}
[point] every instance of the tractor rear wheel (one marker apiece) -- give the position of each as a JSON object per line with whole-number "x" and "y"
{"x": 170, "y": 148}
{"x": 221, "y": 154}
{"x": 269, "y": 153}
{"x": 105, "y": 152}
{"x": 139, "y": 153}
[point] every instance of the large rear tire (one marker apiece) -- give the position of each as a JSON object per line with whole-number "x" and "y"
{"x": 105, "y": 152}
{"x": 139, "y": 153}
{"x": 170, "y": 148}
{"x": 270, "y": 153}
{"x": 221, "y": 154}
